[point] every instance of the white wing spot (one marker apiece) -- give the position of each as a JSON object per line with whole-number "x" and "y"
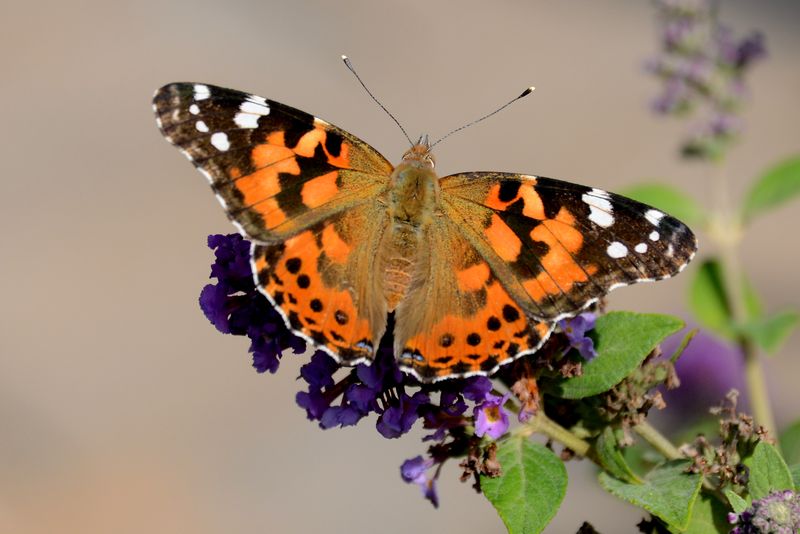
{"x": 201, "y": 126}
{"x": 600, "y": 210}
{"x": 670, "y": 250}
{"x": 654, "y": 236}
{"x": 201, "y": 92}
{"x": 220, "y": 141}
{"x": 194, "y": 109}
{"x": 248, "y": 106}
{"x": 641, "y": 248}
{"x": 617, "y": 250}
{"x": 246, "y": 120}
{"x": 261, "y": 101}
{"x": 654, "y": 216}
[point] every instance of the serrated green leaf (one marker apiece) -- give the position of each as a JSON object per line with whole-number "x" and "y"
{"x": 738, "y": 504}
{"x": 778, "y": 185}
{"x": 768, "y": 471}
{"x": 795, "y": 471}
{"x": 708, "y": 515}
{"x": 668, "y": 199}
{"x": 708, "y": 300}
{"x": 609, "y": 454}
{"x": 623, "y": 340}
{"x": 771, "y": 332}
{"x": 790, "y": 443}
{"x": 529, "y": 492}
{"x": 667, "y": 492}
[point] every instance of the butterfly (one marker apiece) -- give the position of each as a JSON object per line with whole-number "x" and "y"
{"x": 476, "y": 268}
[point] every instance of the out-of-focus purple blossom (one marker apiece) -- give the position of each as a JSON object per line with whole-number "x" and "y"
{"x": 575, "y": 329}
{"x": 708, "y": 369}
{"x": 491, "y": 419}
{"x": 702, "y": 69}
{"x": 415, "y": 471}
{"x": 778, "y": 512}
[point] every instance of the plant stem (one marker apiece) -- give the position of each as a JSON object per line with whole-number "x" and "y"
{"x": 727, "y": 232}
{"x": 658, "y": 441}
{"x": 541, "y": 423}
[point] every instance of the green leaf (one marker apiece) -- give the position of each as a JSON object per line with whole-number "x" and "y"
{"x": 708, "y": 515}
{"x": 738, "y": 504}
{"x": 668, "y": 199}
{"x": 778, "y": 185}
{"x": 708, "y": 300}
{"x": 667, "y": 492}
{"x": 795, "y": 470}
{"x": 622, "y": 341}
{"x": 768, "y": 471}
{"x": 529, "y": 492}
{"x": 790, "y": 443}
{"x": 610, "y": 456}
{"x": 771, "y": 332}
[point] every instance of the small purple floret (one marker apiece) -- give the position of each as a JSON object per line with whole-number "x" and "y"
{"x": 491, "y": 419}
{"x": 575, "y": 329}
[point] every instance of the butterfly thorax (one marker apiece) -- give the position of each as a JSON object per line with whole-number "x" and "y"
{"x": 413, "y": 197}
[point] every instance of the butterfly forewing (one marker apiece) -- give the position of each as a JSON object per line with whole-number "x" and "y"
{"x": 559, "y": 246}
{"x": 276, "y": 169}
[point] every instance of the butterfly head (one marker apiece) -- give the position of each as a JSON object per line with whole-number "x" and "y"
{"x": 420, "y": 153}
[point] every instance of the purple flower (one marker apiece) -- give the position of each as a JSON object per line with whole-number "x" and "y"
{"x": 476, "y": 388}
{"x": 707, "y": 369}
{"x": 575, "y": 329}
{"x": 702, "y": 69}
{"x": 491, "y": 418}
{"x": 414, "y": 471}
{"x": 778, "y": 512}
{"x": 235, "y": 306}
{"x": 398, "y": 418}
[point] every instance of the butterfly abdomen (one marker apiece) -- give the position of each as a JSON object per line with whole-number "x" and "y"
{"x": 412, "y": 200}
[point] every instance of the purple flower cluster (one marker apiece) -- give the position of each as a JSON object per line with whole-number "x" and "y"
{"x": 234, "y": 305}
{"x": 702, "y": 68}
{"x": 778, "y": 512}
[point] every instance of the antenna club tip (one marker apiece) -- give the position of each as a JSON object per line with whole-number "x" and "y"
{"x": 344, "y": 57}
{"x": 527, "y": 91}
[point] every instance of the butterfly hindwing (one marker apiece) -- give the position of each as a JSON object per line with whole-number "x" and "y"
{"x": 322, "y": 280}
{"x": 558, "y": 246}
{"x": 277, "y": 170}
{"x": 457, "y": 318}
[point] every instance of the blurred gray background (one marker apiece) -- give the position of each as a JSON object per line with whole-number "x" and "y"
{"x": 122, "y": 409}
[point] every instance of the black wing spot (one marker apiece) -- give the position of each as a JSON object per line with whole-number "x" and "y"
{"x": 336, "y": 336}
{"x": 508, "y": 190}
{"x": 446, "y": 340}
{"x": 474, "y": 339}
{"x": 444, "y": 359}
{"x": 293, "y": 265}
{"x": 510, "y": 313}
{"x": 474, "y": 357}
{"x": 341, "y": 317}
{"x": 493, "y": 324}
{"x": 333, "y": 143}
{"x": 291, "y": 298}
{"x": 316, "y": 305}
{"x": 303, "y": 281}
{"x": 499, "y": 344}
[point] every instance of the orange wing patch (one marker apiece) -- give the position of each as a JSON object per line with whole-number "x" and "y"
{"x": 460, "y": 346}
{"x": 327, "y": 315}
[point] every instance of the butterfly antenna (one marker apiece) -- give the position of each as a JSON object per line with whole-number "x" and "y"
{"x": 525, "y": 93}
{"x": 349, "y": 65}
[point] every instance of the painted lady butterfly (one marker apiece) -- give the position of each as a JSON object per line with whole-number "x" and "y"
{"x": 476, "y": 267}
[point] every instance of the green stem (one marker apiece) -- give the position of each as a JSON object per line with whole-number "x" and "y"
{"x": 543, "y": 424}
{"x": 658, "y": 441}
{"x": 728, "y": 233}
